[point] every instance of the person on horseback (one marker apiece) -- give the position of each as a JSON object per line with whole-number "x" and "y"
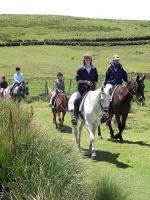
{"x": 3, "y": 84}
{"x": 59, "y": 87}
{"x": 115, "y": 75}
{"x": 86, "y": 78}
{"x": 18, "y": 78}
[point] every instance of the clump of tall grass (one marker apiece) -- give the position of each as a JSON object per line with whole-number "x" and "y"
{"x": 33, "y": 165}
{"x": 106, "y": 189}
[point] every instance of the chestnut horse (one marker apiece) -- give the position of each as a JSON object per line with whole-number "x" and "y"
{"x": 60, "y": 108}
{"x": 121, "y": 103}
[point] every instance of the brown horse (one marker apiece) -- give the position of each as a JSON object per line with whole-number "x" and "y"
{"x": 60, "y": 108}
{"x": 121, "y": 103}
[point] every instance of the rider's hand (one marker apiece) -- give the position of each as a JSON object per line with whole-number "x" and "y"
{"x": 88, "y": 83}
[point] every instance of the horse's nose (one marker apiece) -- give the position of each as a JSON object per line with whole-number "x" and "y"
{"x": 141, "y": 98}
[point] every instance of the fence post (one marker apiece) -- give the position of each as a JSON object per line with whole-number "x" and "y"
{"x": 70, "y": 81}
{"x": 46, "y": 88}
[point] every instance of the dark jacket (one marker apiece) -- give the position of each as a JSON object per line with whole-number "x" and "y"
{"x": 82, "y": 74}
{"x": 115, "y": 74}
{"x": 3, "y": 84}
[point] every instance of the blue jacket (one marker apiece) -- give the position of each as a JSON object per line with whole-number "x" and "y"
{"x": 115, "y": 74}
{"x": 18, "y": 77}
{"x": 82, "y": 74}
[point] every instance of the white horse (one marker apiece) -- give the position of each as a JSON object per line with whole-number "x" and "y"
{"x": 90, "y": 113}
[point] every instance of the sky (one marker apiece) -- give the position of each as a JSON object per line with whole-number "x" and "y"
{"x": 105, "y": 9}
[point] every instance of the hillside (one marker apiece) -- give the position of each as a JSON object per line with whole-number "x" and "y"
{"x": 42, "y": 27}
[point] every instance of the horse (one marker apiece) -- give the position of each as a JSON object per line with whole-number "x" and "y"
{"x": 19, "y": 92}
{"x": 121, "y": 104}
{"x": 60, "y": 108}
{"x": 90, "y": 113}
{"x": 2, "y": 92}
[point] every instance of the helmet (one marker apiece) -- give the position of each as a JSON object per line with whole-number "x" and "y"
{"x": 59, "y": 74}
{"x": 116, "y": 57}
{"x": 17, "y": 69}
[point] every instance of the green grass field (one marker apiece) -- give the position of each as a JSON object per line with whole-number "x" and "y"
{"x": 62, "y": 27}
{"x": 41, "y": 63}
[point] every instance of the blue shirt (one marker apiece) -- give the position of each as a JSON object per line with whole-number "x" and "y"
{"x": 18, "y": 77}
{"x": 115, "y": 75}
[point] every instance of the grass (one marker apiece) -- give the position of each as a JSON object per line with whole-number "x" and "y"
{"x": 64, "y": 27}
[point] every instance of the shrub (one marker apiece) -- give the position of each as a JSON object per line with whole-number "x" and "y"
{"x": 33, "y": 164}
{"x": 106, "y": 189}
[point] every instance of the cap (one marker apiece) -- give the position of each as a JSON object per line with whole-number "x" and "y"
{"x": 116, "y": 57}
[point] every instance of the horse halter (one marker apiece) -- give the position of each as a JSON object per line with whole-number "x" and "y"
{"x": 133, "y": 90}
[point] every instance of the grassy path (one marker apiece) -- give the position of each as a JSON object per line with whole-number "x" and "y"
{"x": 127, "y": 163}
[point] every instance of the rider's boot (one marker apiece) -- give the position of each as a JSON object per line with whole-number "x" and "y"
{"x": 74, "y": 119}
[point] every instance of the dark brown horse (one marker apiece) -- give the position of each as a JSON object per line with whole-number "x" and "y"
{"x": 121, "y": 103}
{"x": 60, "y": 108}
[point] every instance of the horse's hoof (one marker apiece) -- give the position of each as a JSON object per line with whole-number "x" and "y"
{"x": 93, "y": 156}
{"x": 100, "y": 138}
{"x": 121, "y": 140}
{"x": 116, "y": 137}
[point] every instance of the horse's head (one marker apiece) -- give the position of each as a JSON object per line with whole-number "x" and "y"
{"x": 64, "y": 101}
{"x": 140, "y": 88}
{"x": 104, "y": 100}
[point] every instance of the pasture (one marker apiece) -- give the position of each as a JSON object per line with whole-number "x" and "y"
{"x": 64, "y": 27}
{"x": 128, "y": 163}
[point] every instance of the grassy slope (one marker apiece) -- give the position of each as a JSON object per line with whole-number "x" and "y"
{"x": 61, "y": 27}
{"x": 127, "y": 163}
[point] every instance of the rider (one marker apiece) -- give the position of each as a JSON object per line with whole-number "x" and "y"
{"x": 18, "y": 78}
{"x": 59, "y": 87}
{"x": 3, "y": 84}
{"x": 86, "y": 77}
{"x": 114, "y": 76}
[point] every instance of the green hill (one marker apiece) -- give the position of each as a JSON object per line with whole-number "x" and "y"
{"x": 42, "y": 27}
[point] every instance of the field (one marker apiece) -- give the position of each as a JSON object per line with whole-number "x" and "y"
{"x": 62, "y": 27}
{"x": 127, "y": 163}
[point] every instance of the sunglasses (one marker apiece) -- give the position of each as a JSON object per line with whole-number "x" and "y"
{"x": 88, "y": 58}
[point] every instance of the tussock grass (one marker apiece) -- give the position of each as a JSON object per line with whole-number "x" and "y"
{"x": 33, "y": 165}
{"x": 107, "y": 189}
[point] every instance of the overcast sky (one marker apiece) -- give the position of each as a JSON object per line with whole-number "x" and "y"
{"x": 108, "y": 9}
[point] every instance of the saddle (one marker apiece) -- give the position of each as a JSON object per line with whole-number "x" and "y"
{"x": 112, "y": 91}
{"x": 83, "y": 100}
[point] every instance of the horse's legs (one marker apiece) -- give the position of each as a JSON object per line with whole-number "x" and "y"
{"x": 80, "y": 130}
{"x": 54, "y": 118}
{"x": 110, "y": 128}
{"x": 75, "y": 132}
{"x": 123, "y": 123}
{"x": 99, "y": 132}
{"x": 92, "y": 139}
{"x": 59, "y": 118}
{"x": 121, "y": 126}
{"x": 62, "y": 120}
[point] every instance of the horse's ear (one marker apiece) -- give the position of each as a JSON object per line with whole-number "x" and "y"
{"x": 137, "y": 78}
{"x": 143, "y": 77}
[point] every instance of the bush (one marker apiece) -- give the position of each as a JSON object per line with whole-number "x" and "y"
{"x": 106, "y": 189}
{"x": 34, "y": 165}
